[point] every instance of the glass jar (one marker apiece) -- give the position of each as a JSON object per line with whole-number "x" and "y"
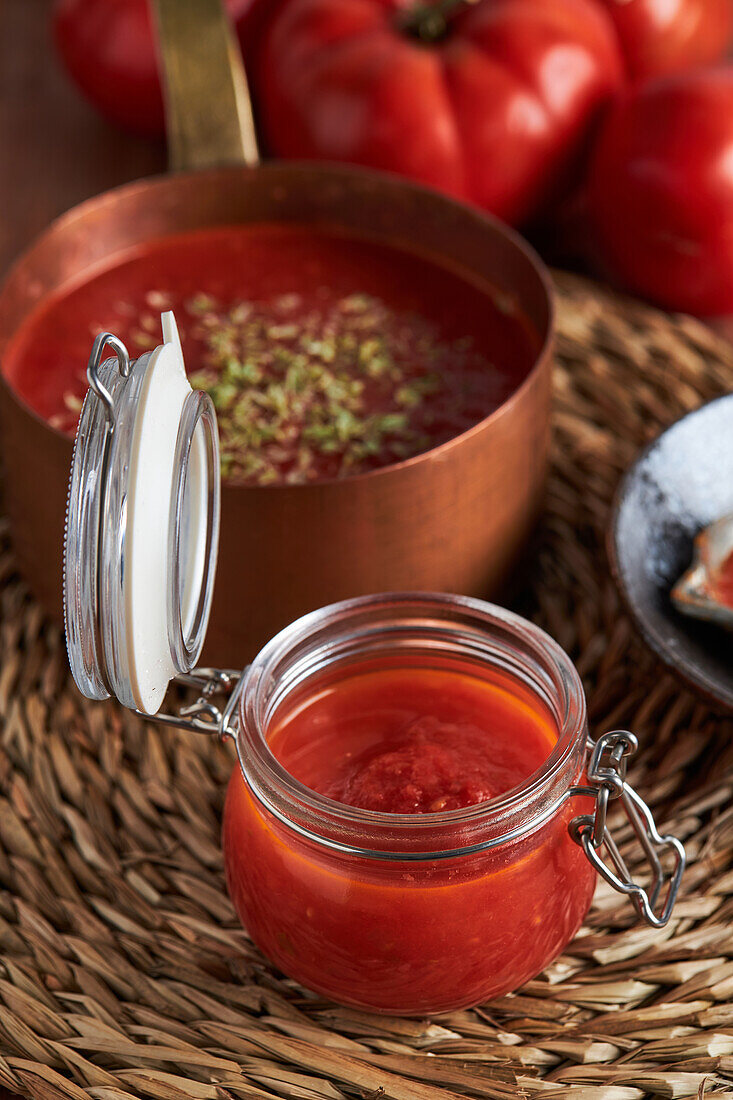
{"x": 396, "y": 912}
{"x": 401, "y": 913}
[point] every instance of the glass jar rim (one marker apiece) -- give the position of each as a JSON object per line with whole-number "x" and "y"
{"x": 290, "y": 800}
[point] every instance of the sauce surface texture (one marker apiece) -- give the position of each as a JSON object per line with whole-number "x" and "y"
{"x": 414, "y": 741}
{"x": 326, "y": 354}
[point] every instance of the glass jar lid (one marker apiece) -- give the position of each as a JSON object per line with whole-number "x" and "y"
{"x": 142, "y": 524}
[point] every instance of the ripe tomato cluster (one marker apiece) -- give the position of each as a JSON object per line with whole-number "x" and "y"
{"x": 511, "y": 104}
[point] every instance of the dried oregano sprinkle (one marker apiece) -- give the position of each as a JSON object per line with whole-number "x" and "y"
{"x": 306, "y": 389}
{"x": 302, "y": 393}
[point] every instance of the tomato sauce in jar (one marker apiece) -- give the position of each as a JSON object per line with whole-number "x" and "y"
{"x": 420, "y": 861}
{"x": 410, "y": 741}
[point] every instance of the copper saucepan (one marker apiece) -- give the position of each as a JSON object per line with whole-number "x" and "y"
{"x": 454, "y": 518}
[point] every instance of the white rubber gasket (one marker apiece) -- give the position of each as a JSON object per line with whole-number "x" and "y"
{"x": 160, "y": 405}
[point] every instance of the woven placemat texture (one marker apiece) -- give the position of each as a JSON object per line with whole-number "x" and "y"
{"x": 123, "y": 971}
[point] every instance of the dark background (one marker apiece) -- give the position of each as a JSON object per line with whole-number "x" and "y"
{"x": 54, "y": 150}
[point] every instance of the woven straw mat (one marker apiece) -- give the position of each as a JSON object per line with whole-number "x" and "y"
{"x": 123, "y": 971}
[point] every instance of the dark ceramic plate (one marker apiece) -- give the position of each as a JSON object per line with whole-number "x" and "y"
{"x": 680, "y": 484}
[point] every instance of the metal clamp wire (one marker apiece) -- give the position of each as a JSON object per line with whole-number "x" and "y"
{"x": 123, "y": 362}
{"x": 204, "y": 715}
{"x": 619, "y": 745}
{"x": 591, "y": 831}
{"x": 101, "y": 341}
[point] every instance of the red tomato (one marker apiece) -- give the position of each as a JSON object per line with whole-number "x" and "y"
{"x": 666, "y": 36}
{"x": 108, "y": 48}
{"x": 661, "y": 191}
{"x": 496, "y": 108}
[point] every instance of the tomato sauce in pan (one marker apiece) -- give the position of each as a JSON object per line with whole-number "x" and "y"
{"x": 326, "y": 354}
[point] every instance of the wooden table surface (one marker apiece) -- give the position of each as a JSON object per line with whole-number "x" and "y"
{"x": 54, "y": 150}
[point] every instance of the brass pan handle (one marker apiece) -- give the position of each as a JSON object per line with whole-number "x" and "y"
{"x": 207, "y": 104}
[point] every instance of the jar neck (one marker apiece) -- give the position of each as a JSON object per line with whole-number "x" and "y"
{"x": 411, "y": 630}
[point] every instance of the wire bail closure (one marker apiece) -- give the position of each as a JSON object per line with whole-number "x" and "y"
{"x": 607, "y": 772}
{"x": 206, "y": 714}
{"x": 101, "y": 341}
